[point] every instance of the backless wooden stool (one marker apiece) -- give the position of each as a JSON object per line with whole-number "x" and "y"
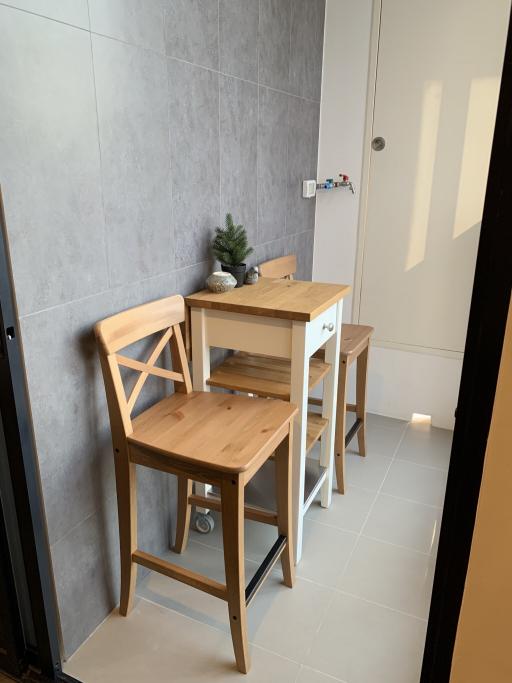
{"x": 219, "y": 439}
{"x": 271, "y": 377}
{"x": 355, "y": 345}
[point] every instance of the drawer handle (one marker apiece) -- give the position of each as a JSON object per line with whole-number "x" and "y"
{"x": 328, "y": 326}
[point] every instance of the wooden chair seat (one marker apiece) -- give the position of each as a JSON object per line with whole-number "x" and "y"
{"x": 262, "y": 375}
{"x": 220, "y": 431}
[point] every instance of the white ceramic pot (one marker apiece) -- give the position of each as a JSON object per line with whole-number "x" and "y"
{"x": 220, "y": 282}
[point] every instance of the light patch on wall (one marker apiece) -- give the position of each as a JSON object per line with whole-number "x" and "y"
{"x": 419, "y": 418}
{"x": 430, "y": 114}
{"x": 480, "y": 119}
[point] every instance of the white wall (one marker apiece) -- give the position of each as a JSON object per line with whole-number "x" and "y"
{"x": 399, "y": 382}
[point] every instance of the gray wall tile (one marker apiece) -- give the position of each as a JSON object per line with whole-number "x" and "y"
{"x": 50, "y": 169}
{"x": 302, "y": 246}
{"x": 238, "y": 152}
{"x": 71, "y": 422}
{"x": 192, "y": 31}
{"x": 272, "y": 164}
{"x": 303, "y": 123}
{"x": 307, "y": 34}
{"x": 238, "y": 38}
{"x": 194, "y": 112}
{"x": 274, "y": 44}
{"x": 135, "y": 159}
{"x": 230, "y": 146}
{"x": 86, "y": 568}
{"x": 72, "y": 12}
{"x": 138, "y": 22}
{"x": 192, "y": 279}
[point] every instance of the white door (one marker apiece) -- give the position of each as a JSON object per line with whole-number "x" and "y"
{"x": 438, "y": 76}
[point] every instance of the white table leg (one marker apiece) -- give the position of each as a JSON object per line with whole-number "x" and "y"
{"x": 330, "y": 393}
{"x": 200, "y": 373}
{"x": 299, "y": 396}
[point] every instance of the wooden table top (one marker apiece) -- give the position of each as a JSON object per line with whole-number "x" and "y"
{"x": 287, "y": 299}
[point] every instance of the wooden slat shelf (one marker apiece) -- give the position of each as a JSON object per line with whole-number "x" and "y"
{"x": 262, "y": 375}
{"x": 316, "y": 426}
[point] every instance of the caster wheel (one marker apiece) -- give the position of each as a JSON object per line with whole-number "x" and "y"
{"x": 204, "y": 523}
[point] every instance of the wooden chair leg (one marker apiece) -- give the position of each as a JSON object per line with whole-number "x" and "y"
{"x": 283, "y": 456}
{"x": 232, "y": 498}
{"x": 183, "y": 514}
{"x": 126, "y": 485}
{"x": 341, "y": 413}
{"x": 362, "y": 371}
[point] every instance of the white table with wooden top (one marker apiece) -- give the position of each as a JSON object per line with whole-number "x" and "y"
{"x": 282, "y": 319}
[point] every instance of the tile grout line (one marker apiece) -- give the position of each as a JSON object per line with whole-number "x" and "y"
{"x": 216, "y": 630}
{"x": 105, "y": 229}
{"x": 351, "y": 554}
{"x": 172, "y": 232}
{"x": 43, "y": 16}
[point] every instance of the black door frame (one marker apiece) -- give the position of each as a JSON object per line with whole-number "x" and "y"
{"x": 482, "y": 356}
{"x": 27, "y": 516}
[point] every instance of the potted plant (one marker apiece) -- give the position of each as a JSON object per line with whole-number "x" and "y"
{"x": 231, "y": 248}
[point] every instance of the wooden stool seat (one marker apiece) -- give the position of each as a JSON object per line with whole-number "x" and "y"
{"x": 217, "y": 439}
{"x": 262, "y": 375}
{"x": 220, "y": 431}
{"x": 354, "y": 339}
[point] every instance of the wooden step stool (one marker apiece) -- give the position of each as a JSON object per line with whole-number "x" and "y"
{"x": 213, "y": 438}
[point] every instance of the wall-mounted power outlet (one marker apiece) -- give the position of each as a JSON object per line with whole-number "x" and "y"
{"x": 308, "y": 188}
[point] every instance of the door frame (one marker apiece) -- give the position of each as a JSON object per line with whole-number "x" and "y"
{"x": 482, "y": 358}
{"x": 373, "y": 63}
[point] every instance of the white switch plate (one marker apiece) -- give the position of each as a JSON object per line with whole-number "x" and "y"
{"x": 308, "y": 188}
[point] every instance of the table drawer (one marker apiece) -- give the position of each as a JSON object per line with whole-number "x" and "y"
{"x": 322, "y": 328}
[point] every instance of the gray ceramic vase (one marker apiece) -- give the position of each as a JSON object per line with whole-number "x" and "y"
{"x": 220, "y": 282}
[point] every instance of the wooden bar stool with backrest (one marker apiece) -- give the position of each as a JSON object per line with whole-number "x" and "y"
{"x": 219, "y": 439}
{"x": 271, "y": 377}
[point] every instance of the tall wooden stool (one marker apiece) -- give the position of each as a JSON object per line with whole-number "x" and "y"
{"x": 270, "y": 377}
{"x": 355, "y": 345}
{"x": 214, "y": 438}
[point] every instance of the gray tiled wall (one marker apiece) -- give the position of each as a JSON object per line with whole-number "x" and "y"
{"x": 128, "y": 129}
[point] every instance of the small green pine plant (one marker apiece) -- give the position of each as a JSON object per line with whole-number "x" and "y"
{"x": 230, "y": 245}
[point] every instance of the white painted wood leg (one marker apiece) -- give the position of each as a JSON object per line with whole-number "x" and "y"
{"x": 330, "y": 393}
{"x": 200, "y": 373}
{"x": 299, "y": 396}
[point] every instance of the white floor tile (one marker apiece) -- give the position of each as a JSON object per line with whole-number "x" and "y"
{"x": 389, "y": 575}
{"x": 363, "y": 643}
{"x": 159, "y": 645}
{"x": 367, "y": 473}
{"x": 403, "y": 522}
{"x": 426, "y": 446}
{"x": 379, "y": 441}
{"x": 259, "y": 538}
{"x": 325, "y": 552}
{"x": 347, "y": 511}
{"x": 307, "y": 675}
{"x": 381, "y": 421}
{"x": 189, "y": 601}
{"x": 281, "y": 619}
{"x": 415, "y": 482}
{"x": 284, "y": 620}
